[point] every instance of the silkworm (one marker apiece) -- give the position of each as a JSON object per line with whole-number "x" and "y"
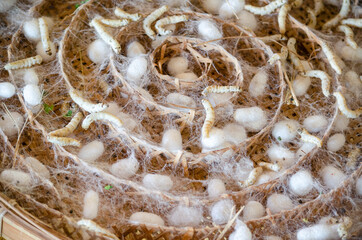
{"x": 220, "y": 89}
{"x": 101, "y": 116}
{"x": 331, "y": 57}
{"x": 122, "y": 14}
{"x": 312, "y": 18}
{"x": 297, "y": 3}
{"x": 352, "y": 158}
{"x": 85, "y": 104}
{"x": 69, "y": 128}
{"x": 105, "y": 36}
{"x": 267, "y": 9}
{"x": 349, "y": 35}
{"x": 324, "y": 77}
{"x": 354, "y": 22}
{"x": 271, "y": 166}
{"x": 64, "y": 141}
{"x": 282, "y": 17}
{"x": 210, "y": 118}
{"x": 44, "y": 35}
{"x": 94, "y": 227}
{"x": 114, "y": 22}
{"x": 342, "y": 14}
{"x": 305, "y": 136}
{"x": 293, "y": 56}
{"x": 282, "y": 56}
{"x": 253, "y": 176}
{"x": 151, "y": 18}
{"x": 344, "y": 227}
{"x": 160, "y": 24}
{"x": 342, "y": 106}
{"x": 318, "y": 6}
{"x": 24, "y": 63}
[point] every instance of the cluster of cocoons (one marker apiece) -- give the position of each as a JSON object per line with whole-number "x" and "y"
{"x": 215, "y": 188}
{"x": 258, "y": 83}
{"x": 301, "y": 183}
{"x": 281, "y": 155}
{"x": 17, "y": 178}
{"x": 135, "y": 49}
{"x": 222, "y": 211}
{"x": 125, "y": 168}
{"x": 137, "y": 69}
{"x": 172, "y": 140}
{"x": 10, "y": 125}
{"x": 183, "y": 216}
{"x": 332, "y": 177}
{"x": 336, "y": 142}
{"x": 208, "y": 30}
{"x": 315, "y": 123}
{"x": 279, "y": 202}
{"x": 32, "y": 94}
{"x": 318, "y": 232}
{"x": 91, "y": 203}
{"x": 91, "y": 151}
{"x": 285, "y": 131}
{"x": 146, "y": 218}
{"x": 98, "y": 51}
{"x": 181, "y": 100}
{"x": 301, "y": 85}
{"x": 7, "y": 90}
{"x": 5, "y": 5}
{"x": 253, "y": 210}
{"x": 38, "y": 167}
{"x": 157, "y": 182}
{"x": 241, "y": 232}
{"x": 253, "y": 118}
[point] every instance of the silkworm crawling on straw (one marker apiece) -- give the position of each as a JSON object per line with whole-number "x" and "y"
{"x": 342, "y": 14}
{"x": 349, "y": 35}
{"x": 122, "y": 14}
{"x": 85, "y": 104}
{"x": 267, "y": 9}
{"x": 305, "y": 136}
{"x": 114, "y": 22}
{"x": 101, "y": 116}
{"x": 210, "y": 118}
{"x": 220, "y": 89}
{"x": 342, "y": 106}
{"x": 282, "y": 17}
{"x": 282, "y": 56}
{"x": 293, "y": 56}
{"x": 354, "y": 22}
{"x": 69, "y": 128}
{"x": 151, "y": 18}
{"x": 24, "y": 63}
{"x": 270, "y": 166}
{"x": 330, "y": 56}
{"x": 253, "y": 176}
{"x": 64, "y": 141}
{"x": 96, "y": 23}
{"x": 324, "y": 77}
{"x": 160, "y": 24}
{"x": 44, "y": 35}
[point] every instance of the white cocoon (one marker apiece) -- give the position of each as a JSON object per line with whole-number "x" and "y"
{"x": 212, "y": 6}
{"x": 301, "y": 85}
{"x": 16, "y": 178}
{"x": 253, "y": 210}
{"x": 177, "y": 65}
{"x": 91, "y": 202}
{"x": 253, "y": 118}
{"x": 208, "y": 30}
{"x": 187, "y": 76}
{"x": 7, "y": 90}
{"x": 31, "y": 28}
{"x": 336, "y": 142}
{"x": 341, "y": 123}
{"x": 304, "y": 149}
{"x": 359, "y": 186}
{"x": 241, "y": 232}
{"x": 272, "y": 237}
{"x": 301, "y": 183}
{"x": 30, "y": 76}
{"x": 146, "y": 218}
{"x": 180, "y": 100}
{"x": 258, "y": 83}
{"x": 157, "y": 182}
{"x": 315, "y": 123}
{"x": 91, "y": 151}
{"x": 234, "y": 133}
{"x": 38, "y": 167}
{"x": 222, "y": 211}
{"x": 128, "y": 122}
{"x": 350, "y": 54}
{"x": 134, "y": 49}
{"x": 136, "y": 69}
{"x": 215, "y": 187}
{"x": 231, "y": 7}
{"x": 281, "y": 155}
{"x": 219, "y": 99}
{"x": 318, "y": 232}
{"x": 353, "y": 83}
{"x": 216, "y": 138}
{"x": 279, "y": 202}
{"x": 98, "y": 51}
{"x": 7, "y": 124}
{"x": 185, "y": 216}
{"x": 332, "y": 177}
{"x": 172, "y": 140}
{"x": 125, "y": 168}
{"x": 40, "y": 51}
{"x": 247, "y": 20}
{"x": 286, "y": 130}
{"x": 32, "y": 94}
{"x": 266, "y": 176}
{"x": 5, "y": 5}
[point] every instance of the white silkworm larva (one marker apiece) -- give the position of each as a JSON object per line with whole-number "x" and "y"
{"x": 101, "y": 116}
{"x": 293, "y": 56}
{"x": 24, "y": 63}
{"x": 160, "y": 24}
{"x": 352, "y": 158}
{"x": 342, "y": 106}
{"x": 282, "y": 17}
{"x": 354, "y": 22}
{"x": 122, "y": 14}
{"x": 69, "y": 128}
{"x": 253, "y": 176}
{"x": 282, "y": 56}
{"x": 318, "y": 6}
{"x": 151, "y": 18}
{"x": 312, "y": 18}
{"x": 114, "y": 22}
{"x": 267, "y": 9}
{"x": 44, "y": 35}
{"x": 64, "y": 141}
{"x": 85, "y": 104}
{"x": 305, "y": 136}
{"x": 331, "y": 57}
{"x": 210, "y": 118}
{"x": 342, "y": 14}
{"x": 270, "y": 166}
{"x": 105, "y": 36}
{"x": 349, "y": 35}
{"x": 297, "y": 3}
{"x": 324, "y": 77}
{"x": 220, "y": 89}
{"x": 343, "y": 228}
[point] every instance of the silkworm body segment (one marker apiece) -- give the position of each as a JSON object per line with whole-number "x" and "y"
{"x": 267, "y": 9}
{"x": 151, "y": 18}
{"x": 85, "y": 104}
{"x": 210, "y": 118}
{"x": 220, "y": 89}
{"x": 106, "y": 37}
{"x": 69, "y": 128}
{"x": 324, "y": 77}
{"x": 160, "y": 24}
{"x": 101, "y": 116}
{"x": 24, "y": 63}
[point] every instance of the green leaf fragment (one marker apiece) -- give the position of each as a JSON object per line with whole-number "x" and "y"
{"x": 48, "y": 108}
{"x": 279, "y": 138}
{"x": 108, "y": 187}
{"x": 69, "y": 113}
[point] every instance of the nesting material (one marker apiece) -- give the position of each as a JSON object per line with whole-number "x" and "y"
{"x": 7, "y": 90}
{"x": 215, "y": 187}
{"x": 222, "y": 211}
{"x": 91, "y": 203}
{"x": 172, "y": 140}
{"x": 315, "y": 123}
{"x": 136, "y": 70}
{"x": 38, "y": 167}
{"x": 32, "y": 94}
{"x": 247, "y": 20}
{"x": 125, "y": 168}
{"x": 230, "y": 8}
{"x": 17, "y": 178}
{"x": 281, "y": 155}
{"x": 30, "y": 77}
{"x": 146, "y": 218}
{"x": 258, "y": 83}
{"x": 177, "y": 99}
{"x": 253, "y": 210}
{"x": 212, "y": 6}
{"x": 359, "y": 186}
{"x": 285, "y": 131}
{"x": 183, "y": 216}
{"x": 336, "y": 142}
{"x": 234, "y": 133}
{"x": 135, "y": 49}
{"x": 208, "y": 30}
{"x": 318, "y": 232}
{"x": 253, "y": 118}
{"x": 157, "y": 182}
{"x": 98, "y": 51}
{"x": 241, "y": 232}
{"x": 301, "y": 85}
{"x": 332, "y": 177}
{"x": 216, "y": 139}
{"x": 301, "y": 183}
{"x": 91, "y": 151}
{"x": 279, "y": 202}
{"x": 177, "y": 65}
{"x": 42, "y": 52}
{"x": 5, "y": 5}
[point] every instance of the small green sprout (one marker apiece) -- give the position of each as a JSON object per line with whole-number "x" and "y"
{"x": 48, "y": 108}
{"x": 279, "y": 138}
{"x": 108, "y": 187}
{"x": 82, "y": 2}
{"x": 69, "y": 113}
{"x": 305, "y": 220}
